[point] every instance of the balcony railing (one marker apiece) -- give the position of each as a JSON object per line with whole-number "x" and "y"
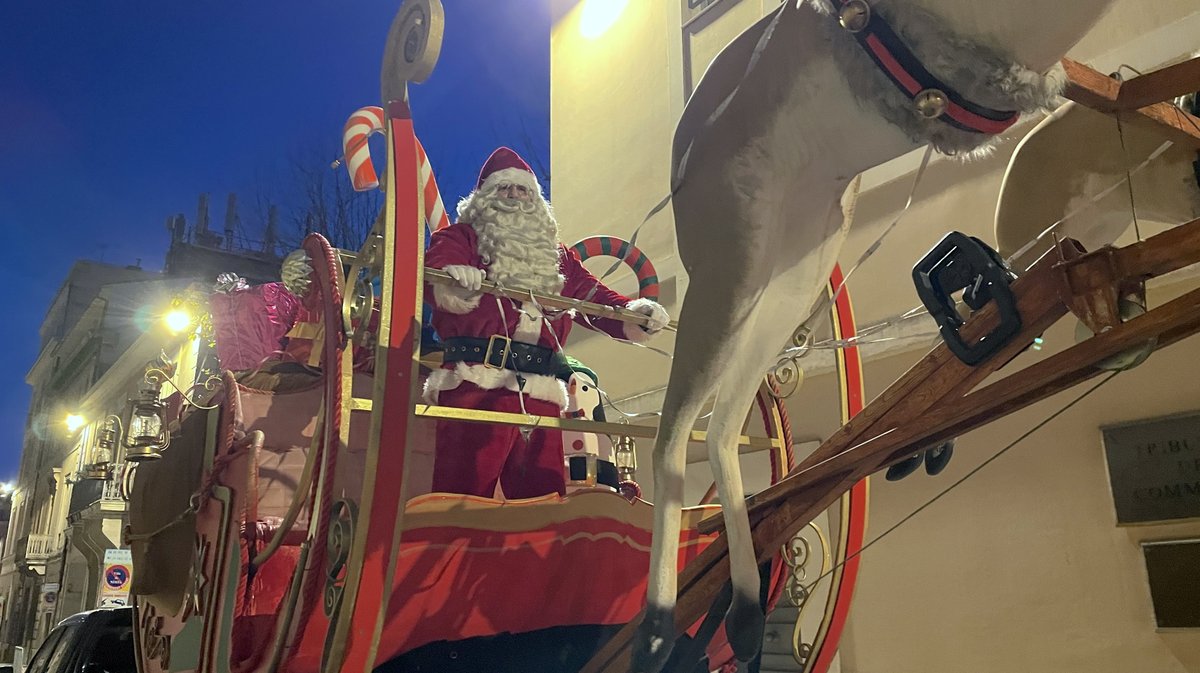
{"x": 40, "y": 547}
{"x": 112, "y": 487}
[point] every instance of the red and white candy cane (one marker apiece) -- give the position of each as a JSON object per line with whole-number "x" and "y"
{"x": 611, "y": 246}
{"x": 361, "y": 125}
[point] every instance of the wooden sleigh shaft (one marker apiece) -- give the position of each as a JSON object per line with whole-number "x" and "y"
{"x": 1141, "y": 98}
{"x": 934, "y": 401}
{"x": 937, "y": 389}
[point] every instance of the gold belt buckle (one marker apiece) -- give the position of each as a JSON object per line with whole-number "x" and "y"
{"x": 591, "y": 476}
{"x": 487, "y": 356}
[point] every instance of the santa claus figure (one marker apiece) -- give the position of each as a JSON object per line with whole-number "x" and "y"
{"x": 502, "y": 352}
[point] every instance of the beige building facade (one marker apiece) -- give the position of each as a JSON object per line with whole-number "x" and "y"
{"x": 1023, "y": 566}
{"x": 100, "y": 335}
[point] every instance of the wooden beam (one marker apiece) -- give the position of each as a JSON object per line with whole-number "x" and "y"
{"x": 937, "y": 375}
{"x": 1091, "y": 88}
{"x": 1160, "y": 86}
{"x": 939, "y": 383}
{"x": 1178, "y": 317}
{"x": 932, "y": 402}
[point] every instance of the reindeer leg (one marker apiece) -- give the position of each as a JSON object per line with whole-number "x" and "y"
{"x": 758, "y": 343}
{"x": 701, "y": 355}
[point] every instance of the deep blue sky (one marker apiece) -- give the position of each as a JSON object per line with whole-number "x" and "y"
{"x": 116, "y": 114}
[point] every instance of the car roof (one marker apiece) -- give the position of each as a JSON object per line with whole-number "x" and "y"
{"x": 80, "y": 617}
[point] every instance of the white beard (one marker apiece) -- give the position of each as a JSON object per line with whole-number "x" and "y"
{"x": 517, "y": 241}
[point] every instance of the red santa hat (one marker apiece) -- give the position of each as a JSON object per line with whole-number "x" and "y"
{"x": 506, "y": 165}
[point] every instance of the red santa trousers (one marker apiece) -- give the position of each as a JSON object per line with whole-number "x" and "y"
{"x": 471, "y": 457}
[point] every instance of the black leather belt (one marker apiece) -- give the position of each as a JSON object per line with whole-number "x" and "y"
{"x": 501, "y": 352}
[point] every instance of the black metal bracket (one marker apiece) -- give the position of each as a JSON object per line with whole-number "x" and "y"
{"x": 961, "y": 262}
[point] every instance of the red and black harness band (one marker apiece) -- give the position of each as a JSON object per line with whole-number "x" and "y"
{"x": 930, "y": 96}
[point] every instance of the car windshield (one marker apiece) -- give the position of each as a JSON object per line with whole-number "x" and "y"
{"x": 62, "y": 649}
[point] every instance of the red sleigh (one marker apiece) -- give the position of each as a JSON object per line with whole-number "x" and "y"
{"x": 290, "y": 528}
{"x": 283, "y": 529}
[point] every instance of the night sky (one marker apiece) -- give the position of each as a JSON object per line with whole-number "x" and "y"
{"x": 116, "y": 114}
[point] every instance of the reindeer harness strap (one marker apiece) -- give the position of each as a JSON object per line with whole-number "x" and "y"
{"x": 931, "y": 98}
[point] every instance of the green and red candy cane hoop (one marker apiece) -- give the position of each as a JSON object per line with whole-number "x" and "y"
{"x": 635, "y": 259}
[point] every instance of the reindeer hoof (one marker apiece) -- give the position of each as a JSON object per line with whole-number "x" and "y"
{"x": 654, "y": 640}
{"x": 904, "y": 468}
{"x": 937, "y": 458}
{"x": 744, "y": 626}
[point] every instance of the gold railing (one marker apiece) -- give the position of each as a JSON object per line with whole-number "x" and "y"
{"x": 439, "y": 277}
{"x": 572, "y": 424}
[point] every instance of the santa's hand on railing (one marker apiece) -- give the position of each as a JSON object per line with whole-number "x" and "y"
{"x": 469, "y": 277}
{"x": 657, "y": 316}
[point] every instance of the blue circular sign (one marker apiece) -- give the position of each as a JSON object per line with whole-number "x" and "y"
{"x": 116, "y": 577}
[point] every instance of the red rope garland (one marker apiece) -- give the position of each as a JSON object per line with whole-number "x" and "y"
{"x": 327, "y": 269}
{"x": 765, "y": 403}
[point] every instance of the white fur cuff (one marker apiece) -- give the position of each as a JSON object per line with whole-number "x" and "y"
{"x": 659, "y": 318}
{"x": 455, "y": 299}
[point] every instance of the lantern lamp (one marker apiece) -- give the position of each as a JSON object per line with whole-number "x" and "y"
{"x": 102, "y": 455}
{"x": 147, "y": 434}
{"x": 625, "y": 457}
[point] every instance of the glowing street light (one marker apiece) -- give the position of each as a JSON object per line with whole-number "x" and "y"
{"x": 177, "y": 320}
{"x": 599, "y": 15}
{"x": 74, "y": 422}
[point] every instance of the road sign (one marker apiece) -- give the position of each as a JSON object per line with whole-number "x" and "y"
{"x": 116, "y": 577}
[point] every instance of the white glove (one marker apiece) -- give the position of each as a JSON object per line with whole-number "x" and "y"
{"x": 468, "y": 277}
{"x": 296, "y": 272}
{"x": 658, "y": 316}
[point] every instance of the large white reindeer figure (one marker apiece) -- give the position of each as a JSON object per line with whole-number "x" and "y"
{"x": 785, "y": 117}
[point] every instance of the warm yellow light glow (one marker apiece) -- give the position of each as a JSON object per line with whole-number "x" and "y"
{"x": 177, "y": 320}
{"x": 74, "y": 422}
{"x": 598, "y": 16}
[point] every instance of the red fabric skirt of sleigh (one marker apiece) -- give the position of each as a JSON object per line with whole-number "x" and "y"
{"x": 467, "y": 567}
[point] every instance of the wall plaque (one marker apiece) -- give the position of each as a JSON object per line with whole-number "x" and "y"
{"x": 1154, "y": 468}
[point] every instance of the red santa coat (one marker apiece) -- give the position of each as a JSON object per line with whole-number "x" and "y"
{"x": 457, "y": 314}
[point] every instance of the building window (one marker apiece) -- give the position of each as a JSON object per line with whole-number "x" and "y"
{"x": 708, "y": 25}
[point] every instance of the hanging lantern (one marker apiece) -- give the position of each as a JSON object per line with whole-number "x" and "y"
{"x": 106, "y": 440}
{"x": 147, "y": 435}
{"x": 625, "y": 456}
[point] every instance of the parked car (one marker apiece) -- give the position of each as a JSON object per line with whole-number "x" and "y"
{"x": 98, "y": 641}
